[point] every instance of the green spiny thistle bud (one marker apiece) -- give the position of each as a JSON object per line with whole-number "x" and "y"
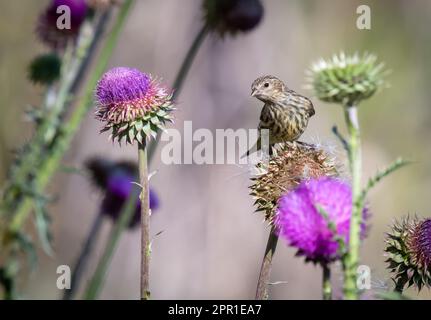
{"x": 408, "y": 247}
{"x": 346, "y": 79}
{"x": 45, "y": 69}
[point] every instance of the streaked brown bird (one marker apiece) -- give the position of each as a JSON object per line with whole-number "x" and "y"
{"x": 285, "y": 112}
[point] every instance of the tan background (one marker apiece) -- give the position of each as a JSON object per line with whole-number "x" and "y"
{"x": 212, "y": 244}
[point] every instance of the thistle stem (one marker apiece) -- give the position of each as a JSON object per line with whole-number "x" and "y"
{"x": 352, "y": 257}
{"x": 265, "y": 270}
{"x": 82, "y": 261}
{"x": 145, "y": 222}
{"x": 123, "y": 222}
{"x": 62, "y": 143}
{"x": 326, "y": 282}
{"x": 181, "y": 76}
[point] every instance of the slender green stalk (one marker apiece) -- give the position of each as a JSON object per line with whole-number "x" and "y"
{"x": 181, "y": 76}
{"x": 52, "y": 162}
{"x": 73, "y": 63}
{"x": 96, "y": 282}
{"x": 265, "y": 270}
{"x": 82, "y": 261}
{"x": 352, "y": 257}
{"x": 145, "y": 223}
{"x": 326, "y": 282}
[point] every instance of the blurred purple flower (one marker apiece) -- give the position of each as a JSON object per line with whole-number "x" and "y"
{"x": 120, "y": 187}
{"x": 131, "y": 103}
{"x": 47, "y": 28}
{"x": 233, "y": 16}
{"x": 302, "y": 225}
{"x": 116, "y": 180}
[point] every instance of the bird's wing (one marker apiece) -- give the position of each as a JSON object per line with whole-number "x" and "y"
{"x": 293, "y": 98}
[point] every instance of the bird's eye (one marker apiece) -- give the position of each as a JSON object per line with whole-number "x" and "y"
{"x": 266, "y": 84}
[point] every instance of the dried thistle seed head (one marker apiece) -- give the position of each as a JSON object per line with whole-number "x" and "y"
{"x": 293, "y": 164}
{"x": 45, "y": 69}
{"x": 132, "y": 104}
{"x": 232, "y": 16}
{"x": 48, "y": 30}
{"x": 408, "y": 248}
{"x": 346, "y": 79}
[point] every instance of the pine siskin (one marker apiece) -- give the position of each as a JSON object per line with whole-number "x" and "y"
{"x": 285, "y": 113}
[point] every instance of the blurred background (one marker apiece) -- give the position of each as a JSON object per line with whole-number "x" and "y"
{"x": 212, "y": 243}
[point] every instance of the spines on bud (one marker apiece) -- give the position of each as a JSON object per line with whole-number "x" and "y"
{"x": 408, "y": 248}
{"x": 346, "y": 80}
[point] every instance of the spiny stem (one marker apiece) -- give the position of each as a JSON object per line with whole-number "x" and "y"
{"x": 352, "y": 257}
{"x": 326, "y": 282}
{"x": 265, "y": 270}
{"x": 82, "y": 261}
{"x": 96, "y": 282}
{"x": 181, "y": 76}
{"x": 52, "y": 162}
{"x": 145, "y": 222}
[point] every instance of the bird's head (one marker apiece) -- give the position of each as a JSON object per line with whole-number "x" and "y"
{"x": 266, "y": 88}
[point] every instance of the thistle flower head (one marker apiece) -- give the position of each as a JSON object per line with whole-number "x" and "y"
{"x": 346, "y": 79}
{"x": 293, "y": 164}
{"x": 119, "y": 189}
{"x": 45, "y": 69}
{"x": 116, "y": 180}
{"x": 232, "y": 16}
{"x": 408, "y": 247}
{"x": 302, "y": 224}
{"x": 101, "y": 169}
{"x": 132, "y": 104}
{"x": 47, "y": 28}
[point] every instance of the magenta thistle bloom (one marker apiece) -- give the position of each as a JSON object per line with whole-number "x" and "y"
{"x": 47, "y": 28}
{"x": 119, "y": 188}
{"x": 116, "y": 180}
{"x": 304, "y": 226}
{"x": 132, "y": 104}
{"x": 409, "y": 253}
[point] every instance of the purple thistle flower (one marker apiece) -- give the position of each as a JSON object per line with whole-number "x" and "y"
{"x": 303, "y": 226}
{"x": 116, "y": 179}
{"x": 119, "y": 188}
{"x": 131, "y": 103}
{"x": 233, "y": 16}
{"x": 408, "y": 248}
{"x": 421, "y": 243}
{"x": 122, "y": 86}
{"x": 47, "y": 29}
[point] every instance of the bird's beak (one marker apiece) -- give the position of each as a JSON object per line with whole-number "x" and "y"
{"x": 253, "y": 92}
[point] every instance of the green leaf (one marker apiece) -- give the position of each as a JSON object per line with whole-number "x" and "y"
{"x": 341, "y": 138}
{"x": 26, "y": 244}
{"x": 42, "y": 225}
{"x": 333, "y": 228}
{"x": 397, "y": 164}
